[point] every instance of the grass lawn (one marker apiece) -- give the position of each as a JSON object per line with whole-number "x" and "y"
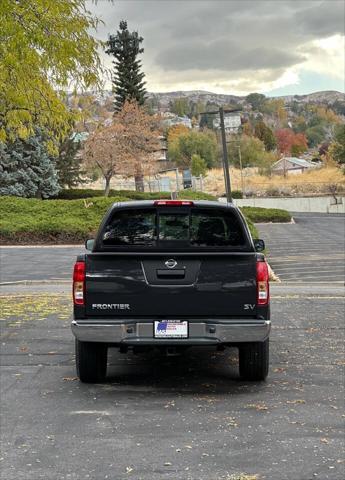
{"x": 30, "y": 221}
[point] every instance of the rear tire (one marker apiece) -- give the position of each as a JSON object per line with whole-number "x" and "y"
{"x": 91, "y": 361}
{"x": 254, "y": 360}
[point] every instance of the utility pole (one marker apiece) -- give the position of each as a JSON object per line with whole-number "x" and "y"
{"x": 226, "y": 170}
{"x": 225, "y": 157}
{"x": 240, "y": 158}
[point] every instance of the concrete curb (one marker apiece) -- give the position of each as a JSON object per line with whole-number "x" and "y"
{"x": 45, "y": 245}
{"x": 36, "y": 282}
{"x": 291, "y": 222}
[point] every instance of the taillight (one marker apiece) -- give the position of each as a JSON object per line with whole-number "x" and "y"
{"x": 79, "y": 283}
{"x": 174, "y": 203}
{"x": 263, "y": 289}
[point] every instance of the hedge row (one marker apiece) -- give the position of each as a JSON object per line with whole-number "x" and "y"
{"x": 266, "y": 215}
{"x": 235, "y": 194}
{"x": 76, "y": 193}
{"x": 31, "y": 220}
{"x": 54, "y": 221}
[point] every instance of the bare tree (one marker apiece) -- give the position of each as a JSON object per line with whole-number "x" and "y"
{"x": 126, "y": 147}
{"x": 142, "y": 133}
{"x": 104, "y": 149}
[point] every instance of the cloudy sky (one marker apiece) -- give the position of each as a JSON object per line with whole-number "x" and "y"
{"x": 234, "y": 46}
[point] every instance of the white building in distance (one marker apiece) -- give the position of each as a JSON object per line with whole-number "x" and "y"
{"x": 232, "y": 123}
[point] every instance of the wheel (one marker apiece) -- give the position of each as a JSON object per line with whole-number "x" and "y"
{"x": 254, "y": 359}
{"x": 91, "y": 361}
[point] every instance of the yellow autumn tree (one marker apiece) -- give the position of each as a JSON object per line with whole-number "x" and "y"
{"x": 45, "y": 46}
{"x": 176, "y": 131}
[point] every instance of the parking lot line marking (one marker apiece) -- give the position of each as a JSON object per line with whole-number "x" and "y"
{"x": 307, "y": 267}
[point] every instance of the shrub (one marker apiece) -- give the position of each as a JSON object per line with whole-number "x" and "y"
{"x": 33, "y": 220}
{"x": 257, "y": 214}
{"x": 235, "y": 194}
{"x": 73, "y": 194}
{"x": 252, "y": 228}
{"x": 66, "y": 221}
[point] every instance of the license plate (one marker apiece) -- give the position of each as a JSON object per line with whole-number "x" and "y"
{"x": 171, "y": 329}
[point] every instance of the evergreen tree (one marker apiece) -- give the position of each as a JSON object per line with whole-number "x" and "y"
{"x": 206, "y": 120}
{"x": 337, "y": 147}
{"x": 128, "y": 81}
{"x": 256, "y": 100}
{"x": 265, "y": 134}
{"x": 27, "y": 169}
{"x": 69, "y": 163}
{"x": 198, "y": 165}
{"x": 180, "y": 106}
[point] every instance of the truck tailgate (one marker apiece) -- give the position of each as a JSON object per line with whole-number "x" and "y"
{"x": 171, "y": 285}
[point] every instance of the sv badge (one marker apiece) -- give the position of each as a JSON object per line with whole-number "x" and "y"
{"x": 249, "y": 306}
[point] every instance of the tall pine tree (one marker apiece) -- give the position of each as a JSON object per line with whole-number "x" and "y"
{"x": 128, "y": 81}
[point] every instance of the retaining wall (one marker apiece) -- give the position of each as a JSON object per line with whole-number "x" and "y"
{"x": 297, "y": 204}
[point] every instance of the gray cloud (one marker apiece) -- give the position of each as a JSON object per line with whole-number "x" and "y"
{"x": 215, "y": 38}
{"x": 224, "y": 55}
{"x": 322, "y": 20}
{"x": 245, "y": 35}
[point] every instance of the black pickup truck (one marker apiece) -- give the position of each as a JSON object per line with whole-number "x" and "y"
{"x": 171, "y": 274}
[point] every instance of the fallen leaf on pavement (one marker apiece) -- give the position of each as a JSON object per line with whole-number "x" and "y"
{"x": 242, "y": 476}
{"x": 257, "y": 406}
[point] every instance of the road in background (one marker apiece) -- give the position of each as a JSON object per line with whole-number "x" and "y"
{"x": 311, "y": 250}
{"x": 38, "y": 263}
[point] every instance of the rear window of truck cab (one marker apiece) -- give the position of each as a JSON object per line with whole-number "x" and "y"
{"x": 165, "y": 228}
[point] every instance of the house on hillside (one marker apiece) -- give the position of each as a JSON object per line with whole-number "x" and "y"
{"x": 232, "y": 123}
{"x": 187, "y": 122}
{"x": 291, "y": 165}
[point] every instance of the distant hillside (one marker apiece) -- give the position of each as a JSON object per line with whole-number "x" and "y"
{"x": 164, "y": 99}
{"x": 100, "y": 104}
{"x": 327, "y": 96}
{"x": 195, "y": 96}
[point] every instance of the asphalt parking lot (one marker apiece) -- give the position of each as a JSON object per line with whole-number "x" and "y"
{"x": 311, "y": 250}
{"x": 175, "y": 418}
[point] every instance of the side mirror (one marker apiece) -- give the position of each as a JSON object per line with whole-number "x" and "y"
{"x": 259, "y": 245}
{"x": 89, "y": 244}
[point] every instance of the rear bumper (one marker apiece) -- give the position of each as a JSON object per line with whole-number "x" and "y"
{"x": 204, "y": 332}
